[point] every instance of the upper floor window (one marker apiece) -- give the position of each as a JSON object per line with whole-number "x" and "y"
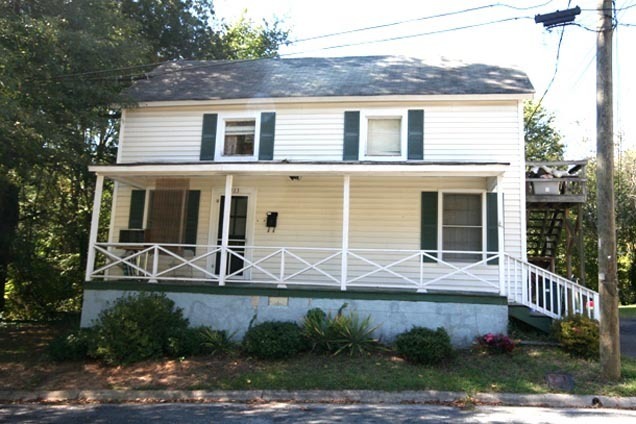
{"x": 384, "y": 137}
{"x": 239, "y": 138}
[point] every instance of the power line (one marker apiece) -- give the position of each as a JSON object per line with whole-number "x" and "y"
{"x": 222, "y": 63}
{"x": 421, "y": 18}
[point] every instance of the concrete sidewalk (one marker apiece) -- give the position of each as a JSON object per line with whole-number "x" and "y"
{"x": 316, "y": 396}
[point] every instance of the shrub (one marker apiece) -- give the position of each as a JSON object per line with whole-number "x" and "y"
{"x": 578, "y": 335}
{"x": 274, "y": 340}
{"x": 316, "y": 330}
{"x": 74, "y": 346}
{"x": 424, "y": 346}
{"x": 495, "y": 343}
{"x": 341, "y": 333}
{"x": 137, "y": 327}
{"x": 216, "y": 342}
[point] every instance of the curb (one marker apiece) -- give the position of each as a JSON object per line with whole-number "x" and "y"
{"x": 316, "y": 396}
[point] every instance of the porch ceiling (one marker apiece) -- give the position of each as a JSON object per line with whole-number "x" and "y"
{"x": 139, "y": 172}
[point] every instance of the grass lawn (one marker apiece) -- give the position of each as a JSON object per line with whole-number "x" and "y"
{"x": 627, "y": 311}
{"x": 24, "y": 365}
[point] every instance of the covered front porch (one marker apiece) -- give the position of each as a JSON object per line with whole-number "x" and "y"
{"x": 345, "y": 227}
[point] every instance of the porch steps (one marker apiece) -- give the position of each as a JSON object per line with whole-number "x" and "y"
{"x": 530, "y": 317}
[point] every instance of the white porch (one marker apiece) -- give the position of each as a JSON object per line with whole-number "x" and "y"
{"x": 341, "y": 261}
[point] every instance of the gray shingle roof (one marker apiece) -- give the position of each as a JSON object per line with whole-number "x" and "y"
{"x": 323, "y": 77}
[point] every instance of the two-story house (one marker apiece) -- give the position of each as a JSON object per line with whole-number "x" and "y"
{"x": 269, "y": 187}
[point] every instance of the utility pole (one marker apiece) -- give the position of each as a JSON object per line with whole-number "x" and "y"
{"x": 607, "y": 276}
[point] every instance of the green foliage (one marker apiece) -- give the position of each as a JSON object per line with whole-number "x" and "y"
{"x": 63, "y": 64}
{"x": 216, "y": 342}
{"x": 246, "y": 40}
{"x": 274, "y": 340}
{"x": 74, "y": 346}
{"x": 578, "y": 335}
{"x": 340, "y": 333}
{"x": 143, "y": 326}
{"x": 543, "y": 141}
{"x": 422, "y": 345}
{"x": 317, "y": 330}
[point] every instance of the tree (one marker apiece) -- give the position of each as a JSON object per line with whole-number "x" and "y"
{"x": 63, "y": 64}
{"x": 246, "y": 40}
{"x": 543, "y": 141}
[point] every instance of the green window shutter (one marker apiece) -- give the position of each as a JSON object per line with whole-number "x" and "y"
{"x": 136, "y": 214}
{"x": 351, "y": 145}
{"x": 415, "y": 148}
{"x": 268, "y": 124}
{"x": 208, "y": 136}
{"x": 429, "y": 223}
{"x": 492, "y": 230}
{"x": 192, "y": 217}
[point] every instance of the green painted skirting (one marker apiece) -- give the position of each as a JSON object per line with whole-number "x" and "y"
{"x": 482, "y": 299}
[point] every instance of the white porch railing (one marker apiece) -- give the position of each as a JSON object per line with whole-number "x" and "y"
{"x": 417, "y": 270}
{"x": 546, "y": 292}
{"x": 301, "y": 266}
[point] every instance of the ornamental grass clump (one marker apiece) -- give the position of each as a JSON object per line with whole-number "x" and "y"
{"x": 495, "y": 344}
{"x": 342, "y": 333}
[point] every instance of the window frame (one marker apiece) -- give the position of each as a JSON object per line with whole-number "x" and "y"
{"x": 366, "y": 115}
{"x": 440, "y": 220}
{"x": 224, "y": 118}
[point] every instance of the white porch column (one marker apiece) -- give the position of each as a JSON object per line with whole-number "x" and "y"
{"x": 92, "y": 239}
{"x": 225, "y": 235}
{"x": 345, "y": 232}
{"x": 500, "y": 237}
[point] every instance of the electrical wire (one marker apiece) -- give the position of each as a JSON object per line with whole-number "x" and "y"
{"x": 422, "y": 18}
{"x": 554, "y": 74}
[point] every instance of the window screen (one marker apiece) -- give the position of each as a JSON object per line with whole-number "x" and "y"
{"x": 462, "y": 226}
{"x": 239, "y": 138}
{"x": 383, "y": 137}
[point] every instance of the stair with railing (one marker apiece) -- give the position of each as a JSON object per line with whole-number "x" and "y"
{"x": 545, "y": 293}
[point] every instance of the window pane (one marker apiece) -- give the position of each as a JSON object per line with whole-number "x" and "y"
{"x": 239, "y": 138}
{"x": 462, "y": 209}
{"x": 462, "y": 226}
{"x": 383, "y": 137}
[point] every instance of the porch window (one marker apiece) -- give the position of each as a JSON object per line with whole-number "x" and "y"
{"x": 239, "y": 138}
{"x": 462, "y": 225}
{"x": 384, "y": 137}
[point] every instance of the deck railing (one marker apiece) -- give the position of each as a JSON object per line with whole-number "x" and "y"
{"x": 418, "y": 270}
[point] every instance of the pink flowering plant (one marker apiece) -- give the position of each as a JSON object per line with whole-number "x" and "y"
{"x": 495, "y": 343}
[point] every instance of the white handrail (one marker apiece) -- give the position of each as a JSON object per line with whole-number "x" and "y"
{"x": 546, "y": 292}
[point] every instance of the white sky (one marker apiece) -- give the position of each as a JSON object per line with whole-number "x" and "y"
{"x": 520, "y": 43}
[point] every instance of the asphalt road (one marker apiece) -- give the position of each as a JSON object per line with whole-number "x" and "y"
{"x": 281, "y": 413}
{"x": 628, "y": 337}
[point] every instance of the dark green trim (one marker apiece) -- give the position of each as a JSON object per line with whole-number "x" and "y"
{"x": 479, "y": 299}
{"x": 192, "y": 217}
{"x": 136, "y": 213}
{"x": 492, "y": 230}
{"x": 428, "y": 229}
{"x": 266, "y": 144}
{"x": 208, "y": 136}
{"x": 415, "y": 146}
{"x": 351, "y": 143}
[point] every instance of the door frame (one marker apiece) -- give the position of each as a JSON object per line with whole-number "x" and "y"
{"x": 215, "y": 206}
